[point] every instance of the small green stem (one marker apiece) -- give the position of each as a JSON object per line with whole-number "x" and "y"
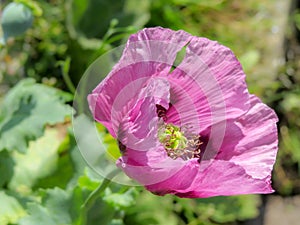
{"x": 90, "y": 201}
{"x": 65, "y": 74}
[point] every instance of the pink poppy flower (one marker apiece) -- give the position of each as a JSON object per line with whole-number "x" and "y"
{"x": 192, "y": 130}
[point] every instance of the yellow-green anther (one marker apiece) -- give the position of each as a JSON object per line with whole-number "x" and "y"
{"x": 176, "y": 144}
{"x": 171, "y": 137}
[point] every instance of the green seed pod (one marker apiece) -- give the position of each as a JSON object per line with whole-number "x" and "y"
{"x": 16, "y": 19}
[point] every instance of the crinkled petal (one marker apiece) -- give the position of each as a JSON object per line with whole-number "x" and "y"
{"x": 209, "y": 62}
{"x": 149, "y": 167}
{"x": 186, "y": 104}
{"x": 213, "y": 80}
{"x": 138, "y": 127}
{"x": 246, "y": 157}
{"x": 217, "y": 178}
{"x": 251, "y": 141}
{"x": 123, "y": 85}
{"x": 145, "y": 159}
{"x": 142, "y": 58}
{"x": 154, "y": 44}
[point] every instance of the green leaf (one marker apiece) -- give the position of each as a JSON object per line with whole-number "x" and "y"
{"x": 148, "y": 210}
{"x": 229, "y": 209}
{"x": 78, "y": 162}
{"x": 53, "y": 209}
{"x": 58, "y": 206}
{"x": 121, "y": 200}
{"x": 10, "y": 209}
{"x": 6, "y": 168}
{"x": 57, "y": 178}
{"x": 39, "y": 161}
{"x": 101, "y": 213}
{"x": 25, "y": 111}
{"x": 113, "y": 151}
{"x": 77, "y": 198}
{"x": 87, "y": 183}
{"x": 116, "y": 222}
{"x": 65, "y": 163}
{"x": 83, "y": 15}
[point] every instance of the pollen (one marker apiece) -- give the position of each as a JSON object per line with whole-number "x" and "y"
{"x": 177, "y": 144}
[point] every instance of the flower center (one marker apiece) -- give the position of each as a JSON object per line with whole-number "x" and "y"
{"x": 171, "y": 137}
{"x": 177, "y": 144}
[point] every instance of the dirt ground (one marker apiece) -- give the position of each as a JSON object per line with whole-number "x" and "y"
{"x": 282, "y": 211}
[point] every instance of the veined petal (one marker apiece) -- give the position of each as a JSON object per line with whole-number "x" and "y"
{"x": 142, "y": 59}
{"x": 138, "y": 127}
{"x": 257, "y": 144}
{"x": 218, "y": 178}
{"x": 213, "y": 80}
{"x": 189, "y": 105}
{"x": 123, "y": 85}
{"x": 149, "y": 167}
{"x": 214, "y": 67}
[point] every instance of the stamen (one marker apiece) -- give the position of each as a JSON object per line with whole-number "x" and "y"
{"x": 176, "y": 144}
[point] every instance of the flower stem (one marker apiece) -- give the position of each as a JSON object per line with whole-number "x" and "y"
{"x": 65, "y": 74}
{"x": 91, "y": 199}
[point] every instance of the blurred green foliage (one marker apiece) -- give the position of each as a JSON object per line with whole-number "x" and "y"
{"x": 43, "y": 178}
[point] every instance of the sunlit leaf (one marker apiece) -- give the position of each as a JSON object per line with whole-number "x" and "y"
{"x": 10, "y": 209}
{"x": 25, "y": 111}
{"x": 58, "y": 178}
{"x": 113, "y": 151}
{"x": 39, "y": 161}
